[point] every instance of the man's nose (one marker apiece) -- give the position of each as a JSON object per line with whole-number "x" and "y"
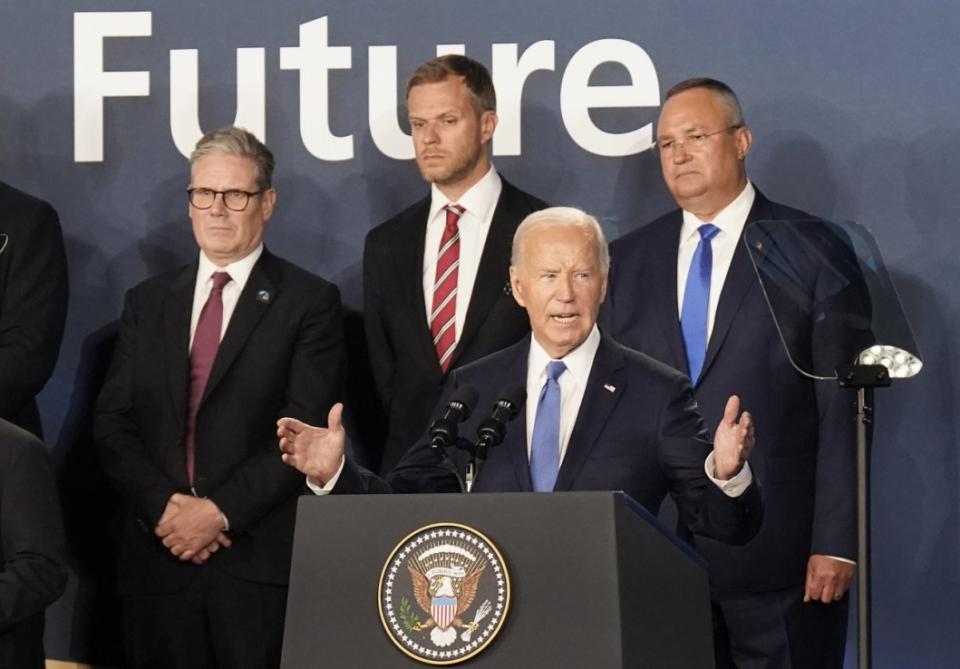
{"x": 565, "y": 289}
{"x": 218, "y": 206}
{"x": 430, "y": 135}
{"x": 680, "y": 153}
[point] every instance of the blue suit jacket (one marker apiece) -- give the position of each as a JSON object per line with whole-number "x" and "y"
{"x": 638, "y": 430}
{"x": 805, "y": 455}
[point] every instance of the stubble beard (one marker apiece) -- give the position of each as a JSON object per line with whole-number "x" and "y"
{"x": 454, "y": 173}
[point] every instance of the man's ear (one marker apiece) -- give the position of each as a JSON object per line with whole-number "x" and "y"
{"x": 516, "y": 287}
{"x": 488, "y": 123}
{"x": 744, "y": 142}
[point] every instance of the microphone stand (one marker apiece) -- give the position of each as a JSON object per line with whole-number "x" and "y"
{"x": 476, "y": 462}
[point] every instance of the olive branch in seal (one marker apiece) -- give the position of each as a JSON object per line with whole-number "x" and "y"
{"x": 407, "y": 617}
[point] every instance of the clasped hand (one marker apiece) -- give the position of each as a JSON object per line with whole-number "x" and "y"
{"x": 192, "y": 528}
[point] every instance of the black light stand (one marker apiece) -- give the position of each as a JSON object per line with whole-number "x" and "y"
{"x": 864, "y": 378}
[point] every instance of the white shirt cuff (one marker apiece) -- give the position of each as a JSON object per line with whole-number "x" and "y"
{"x": 840, "y": 559}
{"x": 325, "y": 489}
{"x": 733, "y": 487}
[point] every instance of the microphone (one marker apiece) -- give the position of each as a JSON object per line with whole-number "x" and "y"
{"x": 505, "y": 409}
{"x": 444, "y": 430}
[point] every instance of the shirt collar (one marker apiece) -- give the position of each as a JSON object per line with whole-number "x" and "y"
{"x": 730, "y": 219}
{"x": 479, "y": 200}
{"x": 239, "y": 270}
{"x": 578, "y": 361}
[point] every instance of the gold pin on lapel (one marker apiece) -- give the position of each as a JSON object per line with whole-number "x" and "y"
{"x": 758, "y": 245}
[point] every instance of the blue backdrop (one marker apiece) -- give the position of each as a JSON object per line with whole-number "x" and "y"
{"x": 852, "y": 105}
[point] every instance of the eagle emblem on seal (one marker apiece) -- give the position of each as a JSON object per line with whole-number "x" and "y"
{"x": 445, "y": 585}
{"x": 444, "y": 593}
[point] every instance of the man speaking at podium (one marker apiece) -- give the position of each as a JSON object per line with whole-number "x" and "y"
{"x": 600, "y": 416}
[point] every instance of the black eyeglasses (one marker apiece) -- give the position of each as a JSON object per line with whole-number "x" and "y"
{"x": 234, "y": 200}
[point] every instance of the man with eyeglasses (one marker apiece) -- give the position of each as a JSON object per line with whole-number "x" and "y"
{"x": 683, "y": 290}
{"x": 208, "y": 357}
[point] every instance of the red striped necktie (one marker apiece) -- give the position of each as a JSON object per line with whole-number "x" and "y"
{"x": 443, "y": 314}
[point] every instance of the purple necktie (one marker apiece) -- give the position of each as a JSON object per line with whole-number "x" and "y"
{"x": 206, "y": 341}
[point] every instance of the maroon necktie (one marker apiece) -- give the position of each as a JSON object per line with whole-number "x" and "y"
{"x": 206, "y": 341}
{"x": 443, "y": 314}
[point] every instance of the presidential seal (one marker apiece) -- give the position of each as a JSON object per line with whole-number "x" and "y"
{"x": 444, "y": 593}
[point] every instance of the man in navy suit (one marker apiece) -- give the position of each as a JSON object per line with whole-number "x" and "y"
{"x": 600, "y": 416}
{"x": 416, "y": 333}
{"x": 778, "y": 601}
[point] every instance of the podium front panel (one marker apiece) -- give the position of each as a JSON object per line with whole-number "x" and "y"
{"x": 568, "y": 558}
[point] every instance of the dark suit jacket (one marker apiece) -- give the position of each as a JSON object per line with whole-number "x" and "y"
{"x": 644, "y": 437}
{"x": 33, "y": 302}
{"x": 33, "y": 575}
{"x": 282, "y": 355}
{"x": 400, "y": 346}
{"x": 805, "y": 442}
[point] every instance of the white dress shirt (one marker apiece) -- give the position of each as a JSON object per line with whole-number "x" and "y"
{"x": 573, "y": 383}
{"x": 479, "y": 202}
{"x": 730, "y": 220}
{"x": 239, "y": 272}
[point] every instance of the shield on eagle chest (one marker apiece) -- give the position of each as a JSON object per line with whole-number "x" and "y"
{"x": 443, "y": 610}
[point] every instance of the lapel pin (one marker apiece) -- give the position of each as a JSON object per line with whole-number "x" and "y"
{"x": 263, "y": 296}
{"x": 609, "y": 388}
{"x": 506, "y": 288}
{"x": 758, "y": 245}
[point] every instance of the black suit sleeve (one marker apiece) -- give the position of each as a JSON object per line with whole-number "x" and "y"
{"x": 379, "y": 346}
{"x": 31, "y": 532}
{"x": 315, "y": 380}
{"x": 704, "y": 508}
{"x": 33, "y": 303}
{"x": 122, "y": 452}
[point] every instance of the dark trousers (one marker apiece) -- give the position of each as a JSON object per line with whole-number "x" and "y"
{"x": 776, "y": 630}
{"x": 216, "y": 622}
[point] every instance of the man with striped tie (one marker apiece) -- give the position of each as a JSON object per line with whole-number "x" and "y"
{"x": 435, "y": 282}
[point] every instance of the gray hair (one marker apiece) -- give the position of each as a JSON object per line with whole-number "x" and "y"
{"x": 561, "y": 217}
{"x": 235, "y": 141}
{"x": 722, "y": 90}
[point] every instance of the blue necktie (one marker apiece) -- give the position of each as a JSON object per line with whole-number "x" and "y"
{"x": 696, "y": 301}
{"x": 545, "y": 449}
